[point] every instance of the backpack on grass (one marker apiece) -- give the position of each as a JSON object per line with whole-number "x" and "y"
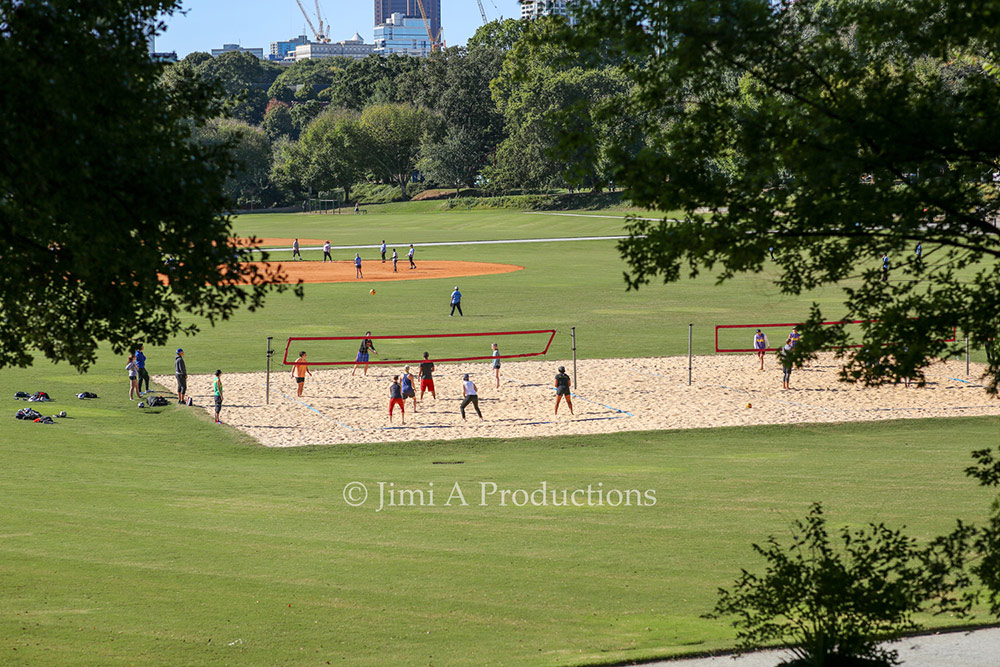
{"x": 22, "y": 395}
{"x": 40, "y": 397}
{"x": 45, "y": 420}
{"x": 158, "y": 402}
{"x": 86, "y": 394}
{"x": 28, "y": 414}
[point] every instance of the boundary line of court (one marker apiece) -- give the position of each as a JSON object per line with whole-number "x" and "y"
{"x": 428, "y": 244}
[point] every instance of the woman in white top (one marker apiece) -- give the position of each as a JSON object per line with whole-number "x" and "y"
{"x": 471, "y": 395}
{"x": 496, "y": 363}
{"x": 133, "y": 377}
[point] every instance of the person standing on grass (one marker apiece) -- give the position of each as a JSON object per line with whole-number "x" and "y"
{"x": 496, "y": 363}
{"x": 456, "y": 302}
{"x": 326, "y": 253}
{"x": 406, "y": 384}
{"x": 760, "y": 344}
{"x": 299, "y": 370}
{"x": 140, "y": 364}
{"x": 295, "y": 249}
{"x": 562, "y": 389}
{"x": 409, "y": 256}
{"x": 786, "y": 365}
{"x": 395, "y": 258}
{"x": 470, "y": 395}
{"x": 366, "y": 345}
{"x": 383, "y": 251}
{"x": 217, "y": 392}
{"x": 133, "y": 376}
{"x": 181, "y": 373}
{"x": 357, "y": 266}
{"x": 396, "y": 398}
{"x": 427, "y": 377}
{"x": 885, "y": 267}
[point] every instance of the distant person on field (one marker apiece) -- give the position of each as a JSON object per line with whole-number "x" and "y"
{"x": 181, "y": 373}
{"x": 299, "y": 370}
{"x": 760, "y": 344}
{"x": 786, "y": 365}
{"x": 885, "y": 267}
{"x": 295, "y": 249}
{"x": 406, "y": 383}
{"x": 357, "y": 266}
{"x": 383, "y": 251}
{"x": 427, "y": 377}
{"x": 357, "y": 209}
{"x": 133, "y": 377}
{"x": 919, "y": 251}
{"x": 562, "y": 389}
{"x": 395, "y": 258}
{"x": 496, "y": 363}
{"x": 470, "y": 395}
{"x": 366, "y": 345}
{"x": 140, "y": 364}
{"x": 217, "y": 392}
{"x": 326, "y": 253}
{"x": 456, "y": 302}
{"x": 409, "y": 256}
{"x": 396, "y": 398}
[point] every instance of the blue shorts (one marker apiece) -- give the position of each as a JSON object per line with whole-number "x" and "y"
{"x": 362, "y": 358}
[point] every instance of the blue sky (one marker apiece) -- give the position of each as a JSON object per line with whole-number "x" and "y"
{"x": 210, "y": 23}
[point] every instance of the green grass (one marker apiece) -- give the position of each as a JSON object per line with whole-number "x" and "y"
{"x": 132, "y": 537}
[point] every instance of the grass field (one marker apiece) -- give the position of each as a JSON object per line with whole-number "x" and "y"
{"x": 133, "y": 537}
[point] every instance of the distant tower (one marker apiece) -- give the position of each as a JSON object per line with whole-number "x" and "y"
{"x": 386, "y": 8}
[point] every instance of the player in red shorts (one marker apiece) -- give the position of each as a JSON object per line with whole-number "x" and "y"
{"x": 427, "y": 377}
{"x": 396, "y": 398}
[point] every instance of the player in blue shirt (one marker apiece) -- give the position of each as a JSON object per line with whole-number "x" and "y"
{"x": 760, "y": 344}
{"x": 793, "y": 337}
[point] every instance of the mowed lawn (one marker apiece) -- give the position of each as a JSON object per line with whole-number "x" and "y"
{"x": 157, "y": 537}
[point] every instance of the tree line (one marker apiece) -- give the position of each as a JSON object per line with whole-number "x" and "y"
{"x": 475, "y": 116}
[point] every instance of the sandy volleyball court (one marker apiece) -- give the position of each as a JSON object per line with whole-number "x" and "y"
{"x": 613, "y": 395}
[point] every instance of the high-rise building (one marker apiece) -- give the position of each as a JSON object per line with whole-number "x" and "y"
{"x": 532, "y": 9}
{"x": 410, "y": 9}
{"x": 404, "y": 35}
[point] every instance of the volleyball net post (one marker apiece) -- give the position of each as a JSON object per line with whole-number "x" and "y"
{"x": 267, "y": 380}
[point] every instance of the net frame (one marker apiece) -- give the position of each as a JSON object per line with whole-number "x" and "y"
{"x": 795, "y": 324}
{"x": 397, "y": 362}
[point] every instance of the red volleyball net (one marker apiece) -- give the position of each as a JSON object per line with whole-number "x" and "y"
{"x": 740, "y": 337}
{"x": 409, "y": 349}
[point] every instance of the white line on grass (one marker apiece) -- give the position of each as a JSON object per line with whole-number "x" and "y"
{"x": 453, "y": 243}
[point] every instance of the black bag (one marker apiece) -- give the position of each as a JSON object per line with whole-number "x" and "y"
{"x": 86, "y": 394}
{"x": 40, "y": 397}
{"x": 45, "y": 420}
{"x": 22, "y": 395}
{"x": 27, "y": 413}
{"x": 158, "y": 402}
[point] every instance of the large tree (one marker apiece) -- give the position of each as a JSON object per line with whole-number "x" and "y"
{"x": 834, "y": 132}
{"x": 100, "y": 183}
{"x": 392, "y": 136}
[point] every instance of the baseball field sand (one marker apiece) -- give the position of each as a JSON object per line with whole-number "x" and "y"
{"x": 342, "y": 271}
{"x": 612, "y": 395}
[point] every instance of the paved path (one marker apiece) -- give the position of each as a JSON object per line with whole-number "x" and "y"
{"x": 978, "y": 648}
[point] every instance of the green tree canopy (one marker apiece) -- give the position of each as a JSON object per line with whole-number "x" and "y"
{"x": 100, "y": 184}
{"x": 834, "y": 132}
{"x": 392, "y": 135}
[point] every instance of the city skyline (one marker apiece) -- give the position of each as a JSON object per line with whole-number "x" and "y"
{"x": 256, "y": 23}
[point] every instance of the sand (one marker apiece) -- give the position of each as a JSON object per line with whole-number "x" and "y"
{"x": 343, "y": 271}
{"x": 612, "y": 395}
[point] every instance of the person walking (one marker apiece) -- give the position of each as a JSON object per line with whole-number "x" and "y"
{"x": 919, "y": 251}
{"x": 786, "y": 365}
{"x": 366, "y": 345}
{"x": 496, "y": 362}
{"x": 383, "y": 251}
{"x": 299, "y": 370}
{"x": 470, "y": 395}
{"x": 456, "y": 302}
{"x": 885, "y": 267}
{"x": 357, "y": 208}
{"x": 133, "y": 375}
{"x": 427, "y": 377}
{"x": 562, "y": 389}
{"x": 140, "y": 364}
{"x": 295, "y": 249}
{"x": 181, "y": 373}
{"x": 396, "y": 398}
{"x": 395, "y": 258}
{"x": 406, "y": 384}
{"x": 409, "y": 256}
{"x": 357, "y": 266}
{"x": 760, "y": 344}
{"x": 326, "y": 253}
{"x": 217, "y": 392}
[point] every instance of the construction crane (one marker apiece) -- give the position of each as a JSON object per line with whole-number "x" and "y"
{"x": 482, "y": 10}
{"x": 319, "y": 34}
{"x": 436, "y": 43}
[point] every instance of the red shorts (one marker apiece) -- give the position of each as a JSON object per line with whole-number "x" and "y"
{"x": 427, "y": 385}
{"x": 393, "y": 402}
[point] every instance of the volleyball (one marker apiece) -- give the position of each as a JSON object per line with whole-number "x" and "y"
{"x": 749, "y": 406}
{"x": 372, "y": 291}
